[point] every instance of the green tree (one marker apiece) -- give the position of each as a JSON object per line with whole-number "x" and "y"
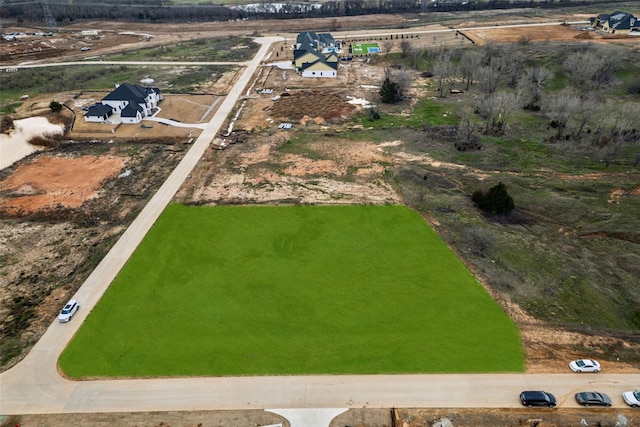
{"x": 389, "y": 91}
{"x": 394, "y": 84}
{"x": 55, "y": 106}
{"x": 496, "y": 201}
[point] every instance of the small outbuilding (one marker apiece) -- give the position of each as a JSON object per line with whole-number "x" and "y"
{"x": 99, "y": 113}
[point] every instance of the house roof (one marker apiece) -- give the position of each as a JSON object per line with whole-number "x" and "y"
{"x": 131, "y": 110}
{"x": 98, "y": 110}
{"x": 299, "y": 53}
{"x": 127, "y": 92}
{"x": 619, "y": 20}
{"x": 314, "y": 39}
{"x": 326, "y": 39}
{"x": 319, "y": 62}
{"x": 308, "y": 36}
{"x": 331, "y": 57}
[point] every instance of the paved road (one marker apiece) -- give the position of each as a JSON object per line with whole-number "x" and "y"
{"x": 35, "y": 387}
{"x": 26, "y": 65}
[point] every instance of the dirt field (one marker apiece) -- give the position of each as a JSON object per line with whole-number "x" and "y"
{"x": 547, "y": 33}
{"x": 61, "y": 209}
{"x": 354, "y": 417}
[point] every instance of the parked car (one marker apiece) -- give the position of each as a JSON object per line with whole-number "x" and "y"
{"x": 589, "y": 398}
{"x": 68, "y": 311}
{"x": 584, "y": 365}
{"x": 537, "y": 398}
{"x": 632, "y": 398}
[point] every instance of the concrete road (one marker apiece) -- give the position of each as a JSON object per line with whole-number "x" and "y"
{"x": 34, "y": 386}
{"x": 26, "y": 65}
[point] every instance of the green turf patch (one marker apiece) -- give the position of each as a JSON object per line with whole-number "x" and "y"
{"x": 364, "y": 48}
{"x": 293, "y": 290}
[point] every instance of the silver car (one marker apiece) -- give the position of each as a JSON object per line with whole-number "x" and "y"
{"x": 68, "y": 311}
{"x": 585, "y": 365}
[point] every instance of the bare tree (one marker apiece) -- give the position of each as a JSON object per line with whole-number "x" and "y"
{"x": 589, "y": 107}
{"x": 443, "y": 69}
{"x": 531, "y": 86}
{"x": 496, "y": 110}
{"x": 402, "y": 78}
{"x": 405, "y": 48}
{"x": 510, "y": 63}
{"x": 414, "y": 56}
{"x": 388, "y": 46}
{"x": 561, "y": 108}
{"x": 469, "y": 63}
{"x": 623, "y": 129}
{"x": 586, "y": 70}
{"x": 480, "y": 240}
{"x": 488, "y": 79}
{"x": 467, "y": 131}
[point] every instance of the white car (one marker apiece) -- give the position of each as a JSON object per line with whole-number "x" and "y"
{"x": 632, "y": 398}
{"x": 68, "y": 311}
{"x": 584, "y": 365}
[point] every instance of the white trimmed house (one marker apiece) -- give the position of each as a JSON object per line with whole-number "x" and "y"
{"x": 132, "y": 102}
{"x": 320, "y": 68}
{"x": 315, "y": 55}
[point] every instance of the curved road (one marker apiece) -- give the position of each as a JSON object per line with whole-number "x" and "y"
{"x": 34, "y": 386}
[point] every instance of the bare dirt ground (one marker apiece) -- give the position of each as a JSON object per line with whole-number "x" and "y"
{"x": 354, "y": 417}
{"x": 549, "y": 33}
{"x": 52, "y": 181}
{"x": 58, "y": 208}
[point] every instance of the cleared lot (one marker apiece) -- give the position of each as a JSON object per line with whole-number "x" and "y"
{"x": 293, "y": 290}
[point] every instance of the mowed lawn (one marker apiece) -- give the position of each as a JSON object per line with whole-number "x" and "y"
{"x": 235, "y": 290}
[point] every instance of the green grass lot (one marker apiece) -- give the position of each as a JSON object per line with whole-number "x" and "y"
{"x": 293, "y": 290}
{"x": 426, "y": 111}
{"x": 362, "y": 48}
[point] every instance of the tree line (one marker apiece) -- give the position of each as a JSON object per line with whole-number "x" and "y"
{"x": 164, "y": 11}
{"x": 576, "y": 90}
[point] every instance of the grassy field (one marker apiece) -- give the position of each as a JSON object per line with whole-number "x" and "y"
{"x": 179, "y": 79}
{"x": 219, "y": 49}
{"x": 293, "y": 290}
{"x": 568, "y": 253}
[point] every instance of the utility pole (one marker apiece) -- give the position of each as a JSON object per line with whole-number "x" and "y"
{"x": 48, "y": 16}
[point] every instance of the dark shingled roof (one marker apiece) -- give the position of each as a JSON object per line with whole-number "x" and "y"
{"x": 127, "y": 92}
{"x": 98, "y": 110}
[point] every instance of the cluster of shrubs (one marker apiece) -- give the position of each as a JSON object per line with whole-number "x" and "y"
{"x": 495, "y": 201}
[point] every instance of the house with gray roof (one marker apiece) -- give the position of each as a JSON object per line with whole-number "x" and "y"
{"x": 618, "y": 22}
{"x": 315, "y": 55}
{"x": 132, "y": 102}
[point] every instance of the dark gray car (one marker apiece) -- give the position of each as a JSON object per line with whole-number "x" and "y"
{"x": 537, "y": 398}
{"x": 593, "y": 398}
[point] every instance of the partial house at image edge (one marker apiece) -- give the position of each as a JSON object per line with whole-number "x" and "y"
{"x": 130, "y": 101}
{"x": 618, "y": 22}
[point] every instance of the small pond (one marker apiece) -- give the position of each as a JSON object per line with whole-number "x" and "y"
{"x": 14, "y": 146}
